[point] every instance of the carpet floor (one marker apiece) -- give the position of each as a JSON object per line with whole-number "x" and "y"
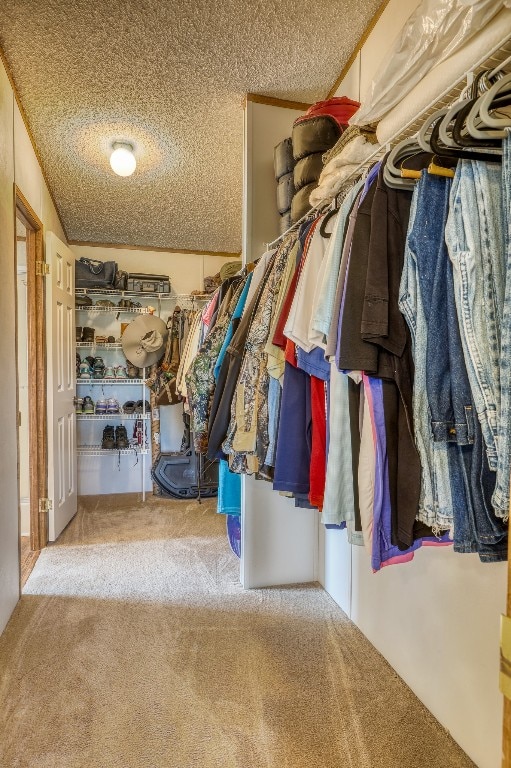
{"x": 28, "y": 559}
{"x": 134, "y": 646}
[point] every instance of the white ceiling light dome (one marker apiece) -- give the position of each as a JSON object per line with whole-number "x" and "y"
{"x": 122, "y": 159}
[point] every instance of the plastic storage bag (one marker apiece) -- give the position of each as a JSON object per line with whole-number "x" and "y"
{"x": 435, "y": 30}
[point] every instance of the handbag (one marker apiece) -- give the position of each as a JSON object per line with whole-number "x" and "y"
{"x": 163, "y": 382}
{"x": 92, "y": 273}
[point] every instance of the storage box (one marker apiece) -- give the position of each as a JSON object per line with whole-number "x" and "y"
{"x": 148, "y": 283}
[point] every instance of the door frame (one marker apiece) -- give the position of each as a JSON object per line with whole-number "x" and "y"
{"x": 36, "y": 328}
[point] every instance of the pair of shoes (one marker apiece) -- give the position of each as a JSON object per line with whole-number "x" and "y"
{"x": 88, "y": 405}
{"x": 128, "y": 304}
{"x": 107, "y": 406}
{"x": 85, "y": 370}
{"x": 83, "y": 301}
{"x": 99, "y": 368}
{"x": 78, "y": 401}
{"x": 132, "y": 371}
{"x": 87, "y": 335}
{"x": 115, "y": 437}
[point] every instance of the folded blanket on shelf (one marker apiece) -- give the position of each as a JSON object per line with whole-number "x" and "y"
{"x": 339, "y": 169}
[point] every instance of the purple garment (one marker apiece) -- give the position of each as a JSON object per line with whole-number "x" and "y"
{"x": 313, "y": 363}
{"x": 383, "y": 550}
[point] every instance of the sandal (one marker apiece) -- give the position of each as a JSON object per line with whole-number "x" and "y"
{"x": 129, "y": 406}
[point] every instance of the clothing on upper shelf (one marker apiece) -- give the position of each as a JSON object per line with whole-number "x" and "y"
{"x": 362, "y": 368}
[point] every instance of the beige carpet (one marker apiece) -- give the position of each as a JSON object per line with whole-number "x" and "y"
{"x": 134, "y": 646}
{"x": 28, "y": 559}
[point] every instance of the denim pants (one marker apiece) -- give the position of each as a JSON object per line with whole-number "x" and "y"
{"x": 453, "y": 419}
{"x": 435, "y": 502}
{"x": 475, "y": 239}
{"x": 501, "y": 495}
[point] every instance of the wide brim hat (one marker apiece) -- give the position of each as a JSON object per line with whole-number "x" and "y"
{"x": 144, "y": 340}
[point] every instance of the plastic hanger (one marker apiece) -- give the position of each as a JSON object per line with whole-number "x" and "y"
{"x": 326, "y": 218}
{"x": 464, "y": 135}
{"x": 455, "y": 154}
{"x": 502, "y": 86}
{"x": 443, "y": 129}
{"x": 392, "y": 169}
{"x": 422, "y": 136}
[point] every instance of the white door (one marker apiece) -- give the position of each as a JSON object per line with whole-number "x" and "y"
{"x": 60, "y": 341}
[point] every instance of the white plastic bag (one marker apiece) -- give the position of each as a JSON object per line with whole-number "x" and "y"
{"x": 433, "y": 32}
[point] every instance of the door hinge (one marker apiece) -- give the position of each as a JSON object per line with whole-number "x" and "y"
{"x": 42, "y": 268}
{"x": 45, "y": 505}
{"x": 505, "y": 656}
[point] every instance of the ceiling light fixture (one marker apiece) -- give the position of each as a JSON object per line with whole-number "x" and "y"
{"x": 122, "y": 159}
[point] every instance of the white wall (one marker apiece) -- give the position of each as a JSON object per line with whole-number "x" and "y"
{"x": 18, "y": 164}
{"x": 265, "y": 127}
{"x": 105, "y": 474}
{"x": 436, "y": 619}
{"x": 279, "y": 542}
{"x": 379, "y": 42}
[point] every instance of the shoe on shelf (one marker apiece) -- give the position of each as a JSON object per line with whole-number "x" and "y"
{"x": 129, "y": 406}
{"x": 139, "y": 407}
{"x": 108, "y": 441}
{"x": 85, "y": 370}
{"x": 120, "y": 372}
{"x": 88, "y": 335}
{"x": 79, "y": 330}
{"x": 105, "y": 303}
{"x": 111, "y": 339}
{"x": 78, "y": 363}
{"x": 101, "y": 339}
{"x": 132, "y": 371}
{"x": 121, "y": 438}
{"x": 109, "y": 372}
{"x": 88, "y": 405}
{"x": 101, "y": 407}
{"x": 78, "y": 404}
{"x": 112, "y": 405}
{"x": 99, "y": 368}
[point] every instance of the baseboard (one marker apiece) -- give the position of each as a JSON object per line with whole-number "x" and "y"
{"x": 24, "y": 516}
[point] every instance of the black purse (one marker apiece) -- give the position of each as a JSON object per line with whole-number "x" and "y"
{"x": 92, "y": 273}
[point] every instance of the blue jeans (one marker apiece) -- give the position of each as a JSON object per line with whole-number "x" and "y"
{"x": 435, "y": 503}
{"x": 475, "y": 240}
{"x": 501, "y": 495}
{"x": 453, "y": 421}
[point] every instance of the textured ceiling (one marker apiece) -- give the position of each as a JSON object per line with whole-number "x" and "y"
{"x": 169, "y": 77}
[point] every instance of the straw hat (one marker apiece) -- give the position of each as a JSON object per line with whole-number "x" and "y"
{"x": 144, "y": 340}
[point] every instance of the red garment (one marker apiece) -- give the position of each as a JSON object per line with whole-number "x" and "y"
{"x": 318, "y": 452}
{"x": 278, "y": 338}
{"x": 340, "y": 108}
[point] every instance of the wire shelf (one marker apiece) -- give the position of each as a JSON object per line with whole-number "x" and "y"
{"x": 127, "y": 294}
{"x": 101, "y": 345}
{"x": 111, "y": 382}
{"x": 97, "y": 450}
{"x": 107, "y": 416}
{"x": 93, "y": 309}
